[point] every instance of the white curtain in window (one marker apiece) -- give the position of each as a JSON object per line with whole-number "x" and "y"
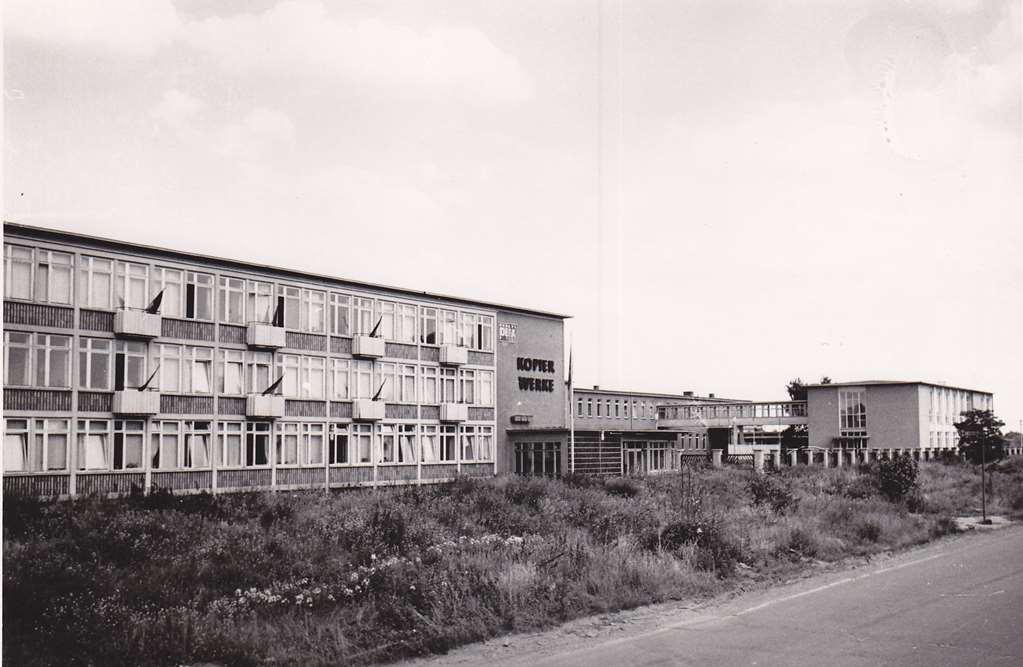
{"x": 408, "y": 454}
{"x": 468, "y": 448}
{"x": 15, "y": 452}
{"x": 94, "y": 451}
{"x": 56, "y": 452}
{"x": 428, "y": 444}
{"x": 201, "y": 377}
{"x": 199, "y": 450}
{"x": 485, "y": 447}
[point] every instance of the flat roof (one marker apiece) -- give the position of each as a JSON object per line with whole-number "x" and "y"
{"x": 719, "y": 399}
{"x": 49, "y": 234}
{"x": 868, "y": 383}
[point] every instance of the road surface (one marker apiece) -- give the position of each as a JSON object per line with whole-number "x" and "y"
{"x": 956, "y": 602}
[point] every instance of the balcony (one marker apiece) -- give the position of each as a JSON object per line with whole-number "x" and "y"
{"x": 452, "y": 355}
{"x": 454, "y": 412}
{"x": 137, "y": 324}
{"x": 368, "y": 347}
{"x": 367, "y": 410}
{"x": 136, "y": 403}
{"x": 259, "y": 406}
{"x": 265, "y": 336}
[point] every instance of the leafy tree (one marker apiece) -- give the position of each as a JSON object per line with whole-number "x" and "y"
{"x": 980, "y": 436}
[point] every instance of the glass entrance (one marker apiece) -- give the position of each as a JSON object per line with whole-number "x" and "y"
{"x": 634, "y": 460}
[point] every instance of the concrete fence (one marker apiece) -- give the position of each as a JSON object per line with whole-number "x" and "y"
{"x": 828, "y": 458}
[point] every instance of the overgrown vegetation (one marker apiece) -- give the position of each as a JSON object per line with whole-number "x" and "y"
{"x": 366, "y": 577}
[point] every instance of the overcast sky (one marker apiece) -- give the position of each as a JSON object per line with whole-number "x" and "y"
{"x": 781, "y": 189}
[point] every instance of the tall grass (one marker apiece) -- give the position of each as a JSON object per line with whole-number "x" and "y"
{"x": 363, "y": 577}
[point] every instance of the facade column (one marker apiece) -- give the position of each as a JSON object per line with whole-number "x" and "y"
{"x": 793, "y": 457}
{"x": 839, "y": 455}
{"x": 758, "y": 460}
{"x": 827, "y": 455}
{"x": 716, "y": 457}
{"x": 776, "y": 459}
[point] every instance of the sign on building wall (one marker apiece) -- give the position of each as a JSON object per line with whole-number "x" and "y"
{"x": 506, "y": 332}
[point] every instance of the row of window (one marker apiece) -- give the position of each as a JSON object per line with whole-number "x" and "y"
{"x": 538, "y": 459}
{"x": 948, "y": 404}
{"x": 45, "y": 360}
{"x": 614, "y": 408}
{"x": 39, "y": 445}
{"x": 46, "y": 276}
{"x": 944, "y": 439}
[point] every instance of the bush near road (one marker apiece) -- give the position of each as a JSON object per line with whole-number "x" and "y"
{"x": 315, "y": 579}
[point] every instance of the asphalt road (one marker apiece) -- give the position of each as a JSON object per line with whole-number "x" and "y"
{"x": 957, "y": 602}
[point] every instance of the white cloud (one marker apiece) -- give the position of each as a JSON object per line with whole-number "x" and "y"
{"x": 123, "y": 27}
{"x": 177, "y": 109}
{"x": 262, "y": 133}
{"x": 300, "y": 38}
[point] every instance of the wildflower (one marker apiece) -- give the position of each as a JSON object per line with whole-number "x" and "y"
{"x": 372, "y": 556}
{"x": 412, "y": 587}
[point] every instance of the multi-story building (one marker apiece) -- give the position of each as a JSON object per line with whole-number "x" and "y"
{"x": 131, "y": 367}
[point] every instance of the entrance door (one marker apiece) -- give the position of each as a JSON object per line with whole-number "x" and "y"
{"x": 633, "y": 461}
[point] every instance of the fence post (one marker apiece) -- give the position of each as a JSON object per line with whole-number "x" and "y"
{"x": 758, "y": 460}
{"x": 793, "y": 457}
{"x": 827, "y": 455}
{"x": 716, "y": 457}
{"x": 839, "y": 455}
{"x": 776, "y": 459}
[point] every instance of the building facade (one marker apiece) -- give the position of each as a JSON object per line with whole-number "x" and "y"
{"x": 129, "y": 367}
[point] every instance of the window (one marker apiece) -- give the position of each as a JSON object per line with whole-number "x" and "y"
{"x": 259, "y": 301}
{"x": 448, "y": 387}
{"x": 314, "y": 311}
{"x": 313, "y": 438}
{"x": 386, "y": 316}
{"x": 129, "y": 441}
{"x": 362, "y": 314}
{"x": 17, "y": 272}
{"x": 448, "y": 443}
{"x": 598, "y": 407}
{"x": 304, "y": 377}
{"x": 428, "y": 326}
{"x": 258, "y": 371}
{"x": 477, "y": 443}
{"x": 231, "y": 372}
{"x": 625, "y": 408}
{"x": 17, "y": 455}
{"x": 287, "y": 444}
{"x": 131, "y": 285}
{"x": 39, "y": 360}
{"x": 53, "y": 276}
{"x": 470, "y": 450}
{"x": 50, "y": 445}
{"x": 172, "y": 282}
{"x": 429, "y": 443}
{"x": 388, "y": 443}
{"x": 291, "y": 300}
{"x": 257, "y": 444}
{"x": 468, "y": 334}
{"x": 229, "y": 444}
{"x": 486, "y": 392}
{"x": 95, "y": 363}
{"x": 18, "y": 359}
{"x": 164, "y": 445}
{"x": 198, "y": 295}
{"x": 579, "y": 407}
{"x": 93, "y": 444}
{"x": 386, "y": 381}
{"x": 539, "y": 459}
{"x": 486, "y": 333}
{"x": 95, "y": 282}
{"x": 185, "y": 368}
{"x": 362, "y": 442}
{"x": 340, "y": 373}
{"x": 197, "y": 445}
{"x": 406, "y": 323}
{"x": 429, "y": 385}
{"x": 339, "y": 452}
{"x": 406, "y": 443}
{"x": 448, "y": 327}
{"x": 129, "y": 364}
{"x": 486, "y": 443}
{"x": 618, "y": 412}
{"x": 232, "y": 300}
{"x": 589, "y": 407}
{"x": 362, "y": 378}
{"x": 852, "y": 417}
{"x": 52, "y": 272}
{"x": 407, "y": 383}
{"x": 467, "y": 382}
{"x": 340, "y": 314}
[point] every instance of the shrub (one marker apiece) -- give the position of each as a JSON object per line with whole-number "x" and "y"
{"x": 868, "y": 531}
{"x": 714, "y": 551}
{"x": 771, "y": 491}
{"x": 622, "y": 486}
{"x": 803, "y": 543}
{"x": 897, "y": 477}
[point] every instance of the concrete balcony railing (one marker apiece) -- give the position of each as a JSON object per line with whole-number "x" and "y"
{"x": 135, "y": 403}
{"x": 137, "y": 324}
{"x": 366, "y": 410}
{"x": 264, "y": 407}
{"x": 454, "y": 412}
{"x": 452, "y": 355}
{"x": 368, "y": 347}
{"x": 265, "y": 336}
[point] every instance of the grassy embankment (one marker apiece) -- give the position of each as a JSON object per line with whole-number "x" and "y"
{"x": 367, "y": 577}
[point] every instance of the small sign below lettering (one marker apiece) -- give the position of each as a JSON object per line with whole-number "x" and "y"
{"x": 506, "y": 332}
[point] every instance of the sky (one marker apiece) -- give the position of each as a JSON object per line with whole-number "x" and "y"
{"x": 724, "y": 195}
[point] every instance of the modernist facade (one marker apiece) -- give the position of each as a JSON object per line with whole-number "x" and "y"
{"x": 132, "y": 367}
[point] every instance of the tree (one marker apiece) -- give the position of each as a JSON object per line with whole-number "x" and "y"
{"x": 980, "y": 436}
